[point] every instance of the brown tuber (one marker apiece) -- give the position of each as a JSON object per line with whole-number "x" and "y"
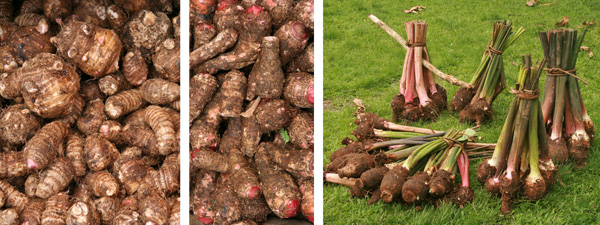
{"x": 56, "y": 209}
{"x": 281, "y": 192}
{"x": 145, "y": 31}
{"x": 40, "y": 150}
{"x": 18, "y": 124}
{"x": 159, "y": 92}
{"x": 266, "y": 78}
{"x": 55, "y": 178}
{"x": 92, "y": 49}
{"x": 42, "y": 78}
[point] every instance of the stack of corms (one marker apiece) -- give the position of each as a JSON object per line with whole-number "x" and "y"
{"x": 404, "y": 164}
{"x": 521, "y": 163}
{"x": 251, "y": 110}
{"x": 90, "y": 112}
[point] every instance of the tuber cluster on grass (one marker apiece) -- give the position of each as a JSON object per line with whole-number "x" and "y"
{"x": 404, "y": 164}
{"x": 570, "y": 129}
{"x": 521, "y": 161}
{"x": 251, "y": 110}
{"x": 420, "y": 96}
{"x": 89, "y": 118}
{"x": 475, "y": 102}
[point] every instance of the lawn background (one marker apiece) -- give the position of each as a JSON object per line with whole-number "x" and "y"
{"x": 362, "y": 61}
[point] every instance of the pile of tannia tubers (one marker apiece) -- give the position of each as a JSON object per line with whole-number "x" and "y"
{"x": 89, "y": 127}
{"x": 251, "y": 110}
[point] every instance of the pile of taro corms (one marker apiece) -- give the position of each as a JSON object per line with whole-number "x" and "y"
{"x": 404, "y": 164}
{"x": 251, "y": 110}
{"x": 90, "y": 112}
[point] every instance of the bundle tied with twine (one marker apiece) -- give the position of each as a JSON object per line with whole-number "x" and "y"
{"x": 475, "y": 103}
{"x": 419, "y": 97}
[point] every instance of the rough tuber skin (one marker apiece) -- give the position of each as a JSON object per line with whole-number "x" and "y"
{"x": 159, "y": 92}
{"x": 308, "y": 199}
{"x": 135, "y": 69}
{"x": 90, "y": 90}
{"x": 223, "y": 41}
{"x": 166, "y": 178}
{"x": 9, "y": 217}
{"x": 93, "y": 49}
{"x": 32, "y": 214}
{"x": 102, "y": 184}
{"x": 160, "y": 121}
{"x": 91, "y": 11}
{"x": 56, "y": 10}
{"x": 301, "y": 131}
{"x": 40, "y": 150}
{"x": 299, "y": 163}
{"x": 112, "y": 131}
{"x": 266, "y": 78}
{"x": 203, "y": 183}
{"x": 280, "y": 190}
{"x": 305, "y": 62}
{"x": 130, "y": 170}
{"x": 42, "y": 77}
{"x": 27, "y": 42}
{"x": 14, "y": 198}
{"x": 273, "y": 115}
{"x": 202, "y": 33}
{"x": 256, "y": 23}
{"x": 128, "y": 213}
{"x": 232, "y": 137}
{"x": 244, "y": 179}
{"x": 280, "y": 10}
{"x": 202, "y": 88}
{"x": 113, "y": 83}
{"x": 74, "y": 152}
{"x": 141, "y": 136}
{"x": 232, "y": 92}
{"x": 202, "y": 10}
{"x": 293, "y": 38}
{"x": 54, "y": 66}
{"x": 74, "y": 111}
{"x": 228, "y": 15}
{"x": 31, "y": 19}
{"x": 7, "y": 27}
{"x": 56, "y": 209}
{"x": 117, "y": 17}
{"x": 18, "y": 124}
{"x": 13, "y": 164}
{"x": 166, "y": 60}
{"x": 99, "y": 153}
{"x": 92, "y": 117}
{"x": 145, "y": 31}
{"x": 304, "y": 12}
{"x": 82, "y": 213}
{"x": 299, "y": 90}
{"x": 107, "y": 208}
{"x": 154, "y": 209}
{"x": 123, "y": 103}
{"x": 55, "y": 178}
{"x": 8, "y": 60}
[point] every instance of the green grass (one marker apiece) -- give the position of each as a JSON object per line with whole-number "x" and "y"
{"x": 362, "y": 61}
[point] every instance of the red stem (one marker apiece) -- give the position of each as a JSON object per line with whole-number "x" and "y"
{"x": 463, "y": 166}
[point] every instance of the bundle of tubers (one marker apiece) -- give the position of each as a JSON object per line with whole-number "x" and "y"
{"x": 378, "y": 164}
{"x": 83, "y": 140}
{"x": 421, "y": 170}
{"x": 570, "y": 128}
{"x": 420, "y": 96}
{"x": 251, "y": 110}
{"x": 475, "y": 102}
{"x": 521, "y": 161}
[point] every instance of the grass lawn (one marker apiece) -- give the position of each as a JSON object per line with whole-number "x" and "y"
{"x": 362, "y": 61}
